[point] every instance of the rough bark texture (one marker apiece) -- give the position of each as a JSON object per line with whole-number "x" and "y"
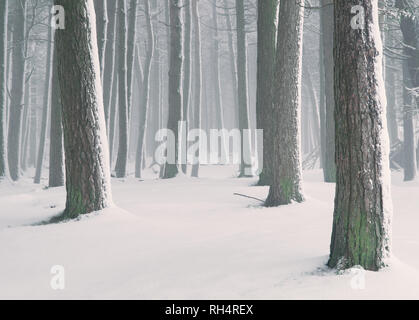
{"x": 286, "y": 92}
{"x": 85, "y": 143}
{"x": 329, "y": 166}
{"x": 243, "y": 97}
{"x": 197, "y": 79}
{"x": 144, "y": 106}
{"x": 122, "y": 159}
{"x": 56, "y": 150}
{"x": 109, "y": 70}
{"x": 17, "y": 91}
{"x": 175, "y": 81}
{"x": 3, "y": 81}
{"x": 362, "y": 203}
{"x": 45, "y": 108}
{"x": 267, "y": 33}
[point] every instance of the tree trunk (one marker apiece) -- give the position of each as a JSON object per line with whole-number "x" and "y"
{"x": 132, "y": 31}
{"x": 26, "y": 127}
{"x": 3, "y": 80}
{"x": 46, "y": 105}
{"x": 361, "y": 223}
{"x": 175, "y": 82}
{"x": 408, "y": 126}
{"x": 187, "y": 74}
{"x": 56, "y": 150}
{"x": 17, "y": 90}
{"x": 122, "y": 159}
{"x": 243, "y": 96}
{"x": 102, "y": 31}
{"x": 286, "y": 93}
{"x": 85, "y": 143}
{"x": 267, "y": 33}
{"x": 109, "y": 70}
{"x": 144, "y": 106}
{"x": 329, "y": 166}
{"x": 197, "y": 101}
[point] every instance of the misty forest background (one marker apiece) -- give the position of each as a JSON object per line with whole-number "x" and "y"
{"x": 214, "y": 64}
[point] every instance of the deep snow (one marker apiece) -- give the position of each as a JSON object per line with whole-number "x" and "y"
{"x": 193, "y": 239}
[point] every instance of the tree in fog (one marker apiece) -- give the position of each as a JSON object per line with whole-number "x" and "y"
{"x": 144, "y": 104}
{"x": 267, "y": 33}
{"x": 56, "y": 149}
{"x": 132, "y": 32}
{"x": 329, "y": 167}
{"x": 86, "y": 146}
{"x": 175, "y": 82}
{"x": 286, "y": 94}
{"x": 243, "y": 95}
{"x": 101, "y": 9}
{"x": 3, "y": 80}
{"x": 18, "y": 89}
{"x": 123, "y": 112}
{"x": 361, "y": 234}
{"x": 197, "y": 100}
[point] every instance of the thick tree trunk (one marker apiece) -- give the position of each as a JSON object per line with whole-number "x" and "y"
{"x": 267, "y": 34}
{"x": 3, "y": 81}
{"x": 122, "y": 159}
{"x": 175, "y": 82}
{"x": 361, "y": 226}
{"x": 86, "y": 146}
{"x": 56, "y": 150}
{"x": 17, "y": 90}
{"x": 197, "y": 101}
{"x": 45, "y": 109}
{"x": 187, "y": 74}
{"x": 286, "y": 92}
{"x": 329, "y": 166}
{"x": 243, "y": 96}
{"x": 109, "y": 70}
{"x": 102, "y": 31}
{"x": 144, "y": 106}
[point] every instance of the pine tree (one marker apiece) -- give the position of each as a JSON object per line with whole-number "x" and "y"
{"x": 85, "y": 143}
{"x": 286, "y": 93}
{"x": 362, "y": 203}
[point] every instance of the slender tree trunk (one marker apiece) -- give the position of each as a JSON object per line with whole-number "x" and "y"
{"x": 175, "y": 82}
{"x": 361, "y": 224}
{"x": 243, "y": 96}
{"x": 187, "y": 74}
{"x": 408, "y": 126}
{"x": 109, "y": 70}
{"x": 286, "y": 92}
{"x": 46, "y": 105}
{"x": 17, "y": 90}
{"x": 144, "y": 106}
{"x": 102, "y": 31}
{"x": 56, "y": 150}
{"x": 197, "y": 101}
{"x": 122, "y": 159}
{"x": 26, "y": 127}
{"x": 33, "y": 136}
{"x": 3, "y": 80}
{"x": 267, "y": 33}
{"x": 322, "y": 102}
{"x": 329, "y": 167}
{"x": 132, "y": 31}
{"x": 86, "y": 146}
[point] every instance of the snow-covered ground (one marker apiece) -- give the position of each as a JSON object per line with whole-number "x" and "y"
{"x": 194, "y": 239}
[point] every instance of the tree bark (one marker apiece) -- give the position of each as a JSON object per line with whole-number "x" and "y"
{"x": 17, "y": 90}
{"x": 267, "y": 34}
{"x": 175, "y": 82}
{"x": 3, "y": 80}
{"x": 286, "y": 92}
{"x": 243, "y": 96}
{"x": 408, "y": 126}
{"x": 85, "y": 143}
{"x": 101, "y": 27}
{"x": 56, "y": 151}
{"x": 361, "y": 224}
{"x": 132, "y": 31}
{"x": 122, "y": 159}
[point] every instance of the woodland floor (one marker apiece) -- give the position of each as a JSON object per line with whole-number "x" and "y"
{"x": 193, "y": 239}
